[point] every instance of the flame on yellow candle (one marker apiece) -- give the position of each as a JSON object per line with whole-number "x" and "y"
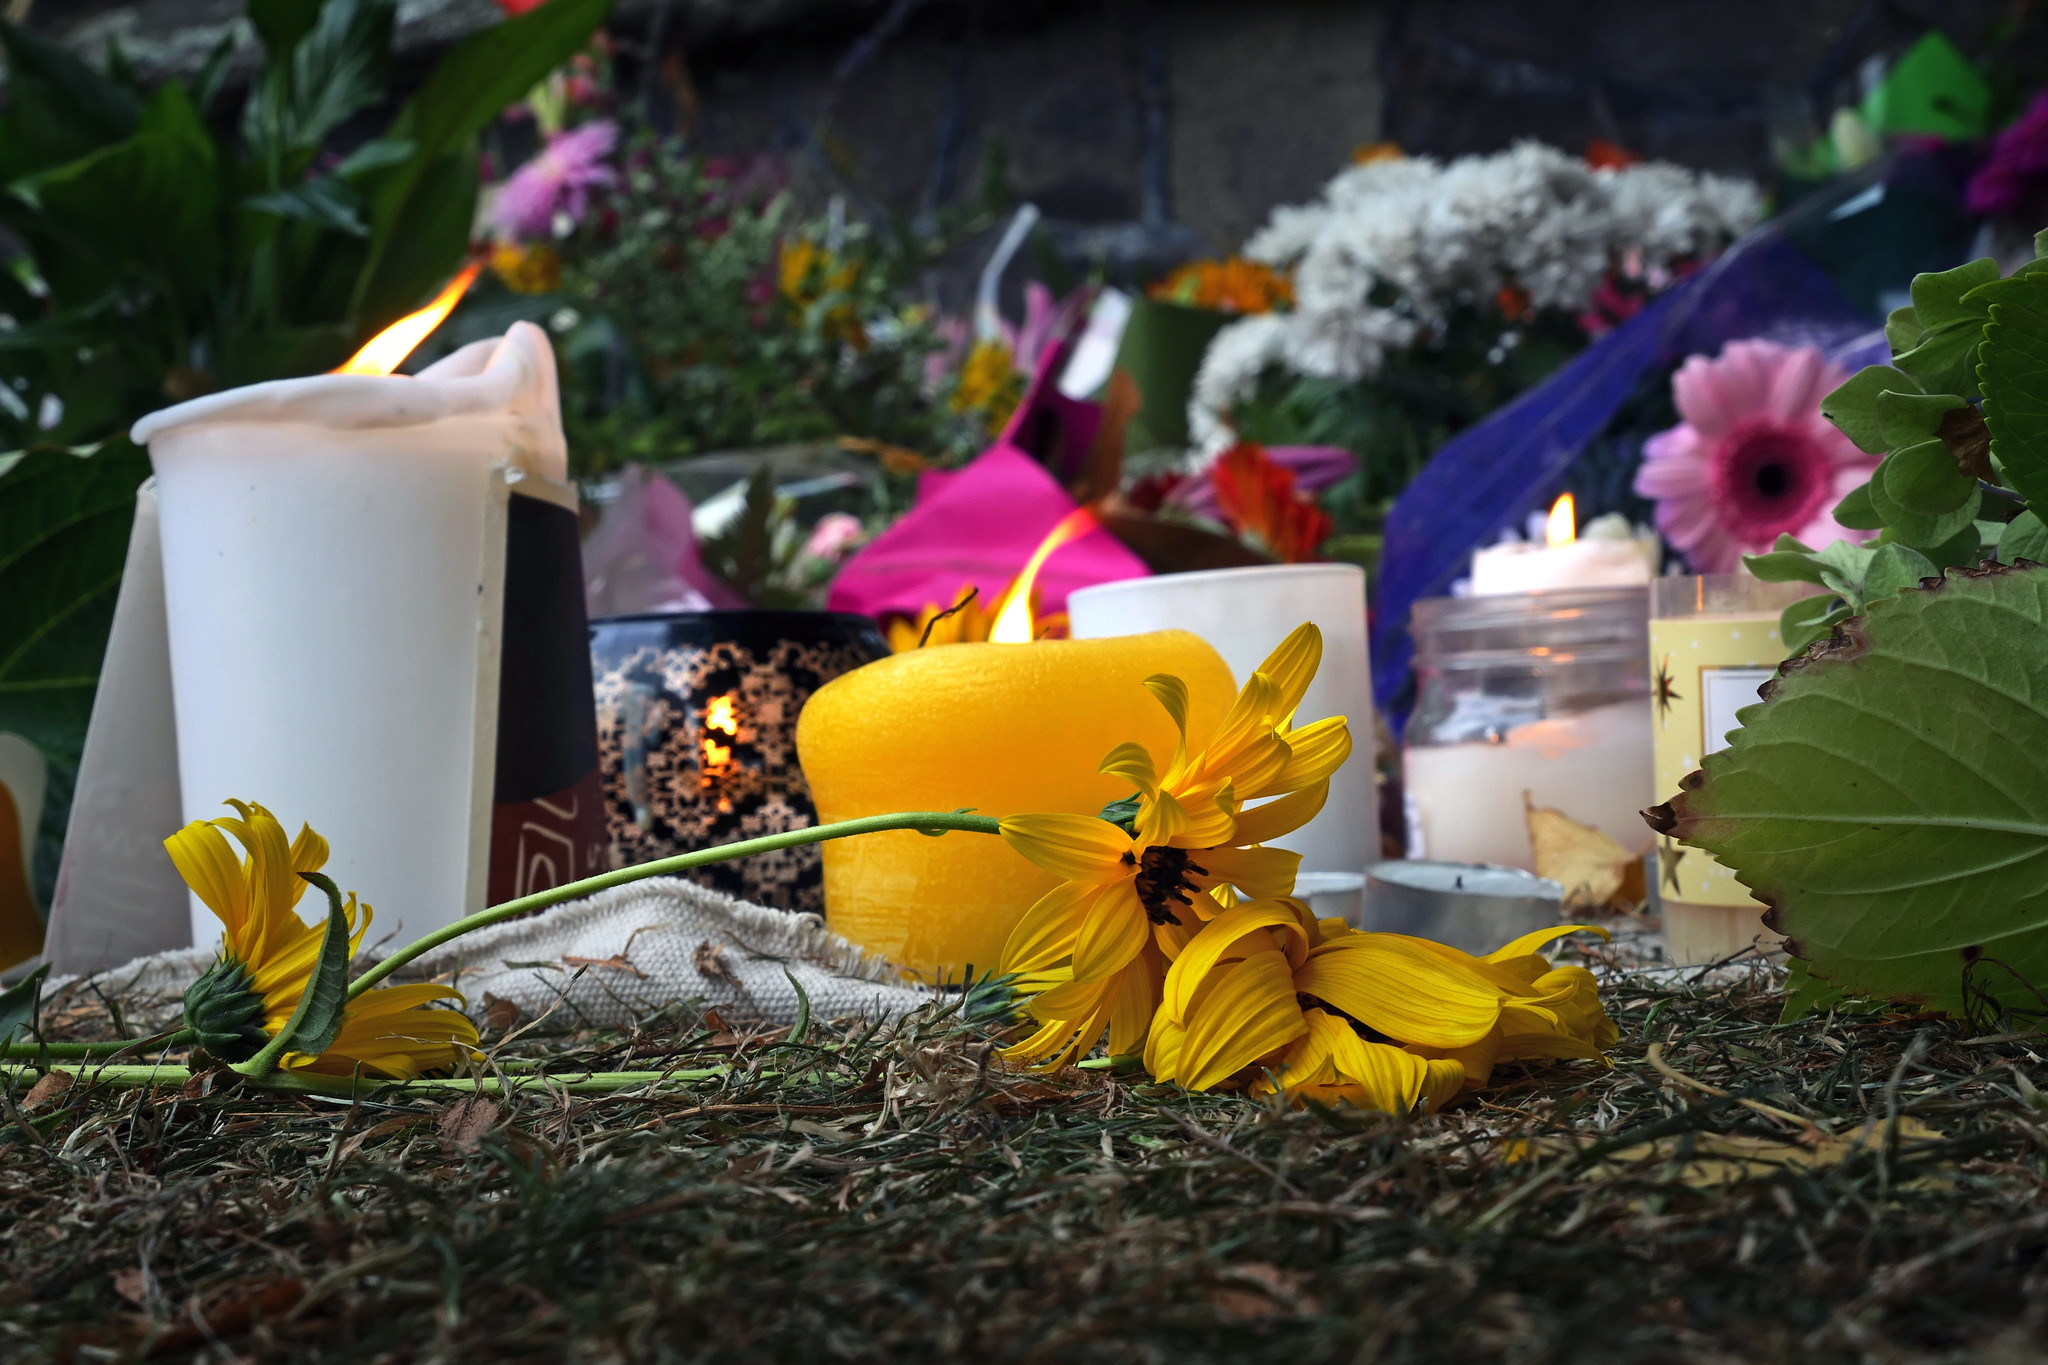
{"x": 1563, "y": 526}
{"x": 1014, "y": 624}
{"x": 387, "y": 350}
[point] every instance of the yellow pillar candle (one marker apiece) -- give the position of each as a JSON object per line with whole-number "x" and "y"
{"x": 1005, "y": 729}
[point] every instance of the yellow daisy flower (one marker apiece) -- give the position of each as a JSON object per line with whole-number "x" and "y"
{"x": 1269, "y": 998}
{"x": 268, "y": 955}
{"x": 1093, "y": 952}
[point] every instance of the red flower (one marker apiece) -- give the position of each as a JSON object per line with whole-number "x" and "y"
{"x": 1261, "y": 503}
{"x": 517, "y": 7}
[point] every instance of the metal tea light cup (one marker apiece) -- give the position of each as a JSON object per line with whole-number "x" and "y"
{"x": 1475, "y": 907}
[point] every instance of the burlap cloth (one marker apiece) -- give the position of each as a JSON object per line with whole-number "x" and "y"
{"x": 623, "y": 954}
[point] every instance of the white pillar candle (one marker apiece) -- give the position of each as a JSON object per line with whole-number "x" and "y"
{"x": 333, "y": 575}
{"x": 1593, "y": 765}
{"x": 1244, "y": 614}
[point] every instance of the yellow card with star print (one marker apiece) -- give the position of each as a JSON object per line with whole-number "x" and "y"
{"x": 1704, "y": 669}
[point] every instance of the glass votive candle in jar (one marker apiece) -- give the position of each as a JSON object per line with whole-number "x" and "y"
{"x": 1713, "y": 642}
{"x": 1527, "y": 699}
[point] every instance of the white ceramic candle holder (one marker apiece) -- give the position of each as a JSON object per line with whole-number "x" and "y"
{"x": 1244, "y": 614}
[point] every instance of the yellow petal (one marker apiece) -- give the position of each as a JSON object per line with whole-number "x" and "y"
{"x": 1132, "y": 763}
{"x": 1535, "y": 941}
{"x": 1161, "y": 818}
{"x": 1079, "y": 848}
{"x": 1163, "y": 1048}
{"x": 1292, "y": 666}
{"x": 1280, "y": 816}
{"x": 209, "y": 866}
{"x": 1314, "y": 752}
{"x": 1248, "y": 723}
{"x": 1260, "y": 873}
{"x": 1391, "y": 1080}
{"x": 1114, "y": 930}
{"x": 1206, "y": 816}
{"x": 1074, "y": 1000}
{"x": 1407, "y": 993}
{"x": 1220, "y": 938}
{"x": 1251, "y": 1013}
{"x": 1133, "y": 1002}
{"x": 1046, "y": 933}
{"x": 309, "y": 851}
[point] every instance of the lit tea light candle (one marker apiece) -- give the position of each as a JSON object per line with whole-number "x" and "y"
{"x": 1609, "y": 555}
{"x": 1007, "y": 727}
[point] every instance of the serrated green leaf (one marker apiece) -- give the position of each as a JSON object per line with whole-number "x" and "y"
{"x": 1808, "y": 619}
{"x": 1890, "y": 798}
{"x": 18, "y": 1004}
{"x": 1902, "y": 330}
{"x": 1855, "y": 512}
{"x": 1938, "y": 296}
{"x": 1923, "y": 478}
{"x": 1915, "y": 528}
{"x": 2013, "y": 368}
{"x": 1853, "y": 406}
{"x": 1908, "y": 418}
{"x": 1895, "y": 568}
{"x": 1805, "y": 993}
{"x": 2025, "y": 537}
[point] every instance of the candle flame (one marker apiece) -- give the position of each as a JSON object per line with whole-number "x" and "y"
{"x": 719, "y": 716}
{"x": 387, "y": 350}
{"x": 1014, "y": 624}
{"x": 1563, "y": 526}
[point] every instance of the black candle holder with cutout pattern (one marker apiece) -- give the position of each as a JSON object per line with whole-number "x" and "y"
{"x": 696, "y": 737}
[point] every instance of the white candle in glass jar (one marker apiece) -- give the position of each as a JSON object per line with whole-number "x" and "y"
{"x": 1594, "y": 765}
{"x": 1609, "y": 555}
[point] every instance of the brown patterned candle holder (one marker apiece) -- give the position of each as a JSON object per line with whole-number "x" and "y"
{"x": 696, "y": 736}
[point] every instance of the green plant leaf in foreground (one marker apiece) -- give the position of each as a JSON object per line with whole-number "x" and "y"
{"x": 1889, "y": 797}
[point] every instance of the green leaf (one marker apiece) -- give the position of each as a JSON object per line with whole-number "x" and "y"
{"x": 1789, "y": 563}
{"x": 1810, "y": 618}
{"x": 1855, "y": 512}
{"x": 1908, "y": 418}
{"x": 466, "y": 90}
{"x": 1895, "y": 568}
{"x": 59, "y": 107}
{"x": 1923, "y": 478}
{"x": 1805, "y": 993}
{"x": 18, "y": 1004}
{"x": 324, "y": 1003}
{"x": 1964, "y": 549}
{"x": 1902, "y": 330}
{"x": 281, "y": 23}
{"x": 1945, "y": 361}
{"x": 2025, "y": 537}
{"x": 1843, "y": 565}
{"x": 1916, "y": 528}
{"x": 2013, "y": 367}
{"x": 1938, "y": 295}
{"x": 1853, "y": 406}
{"x": 328, "y": 202}
{"x": 64, "y": 523}
{"x": 1888, "y": 797}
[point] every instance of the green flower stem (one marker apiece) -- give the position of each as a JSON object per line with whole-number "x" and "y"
{"x": 925, "y": 821}
{"x": 342, "y": 1087}
{"x": 86, "y": 1051}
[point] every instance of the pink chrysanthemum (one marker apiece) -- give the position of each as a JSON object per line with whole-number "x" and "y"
{"x": 558, "y": 180}
{"x": 1753, "y": 459}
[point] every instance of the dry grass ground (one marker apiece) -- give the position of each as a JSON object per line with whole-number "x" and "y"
{"x": 1870, "y": 1188}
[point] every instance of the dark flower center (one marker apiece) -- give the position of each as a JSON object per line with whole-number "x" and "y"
{"x": 1769, "y": 476}
{"x": 1165, "y": 881}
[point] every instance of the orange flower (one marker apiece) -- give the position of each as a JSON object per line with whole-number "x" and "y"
{"x": 1261, "y": 503}
{"x": 1233, "y": 286}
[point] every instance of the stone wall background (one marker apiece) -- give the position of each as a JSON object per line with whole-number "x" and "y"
{"x": 1149, "y": 130}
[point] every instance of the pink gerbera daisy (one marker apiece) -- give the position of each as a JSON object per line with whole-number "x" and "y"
{"x": 558, "y": 180}
{"x": 1754, "y": 458}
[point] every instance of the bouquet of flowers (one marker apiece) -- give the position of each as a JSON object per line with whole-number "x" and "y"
{"x": 1425, "y": 294}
